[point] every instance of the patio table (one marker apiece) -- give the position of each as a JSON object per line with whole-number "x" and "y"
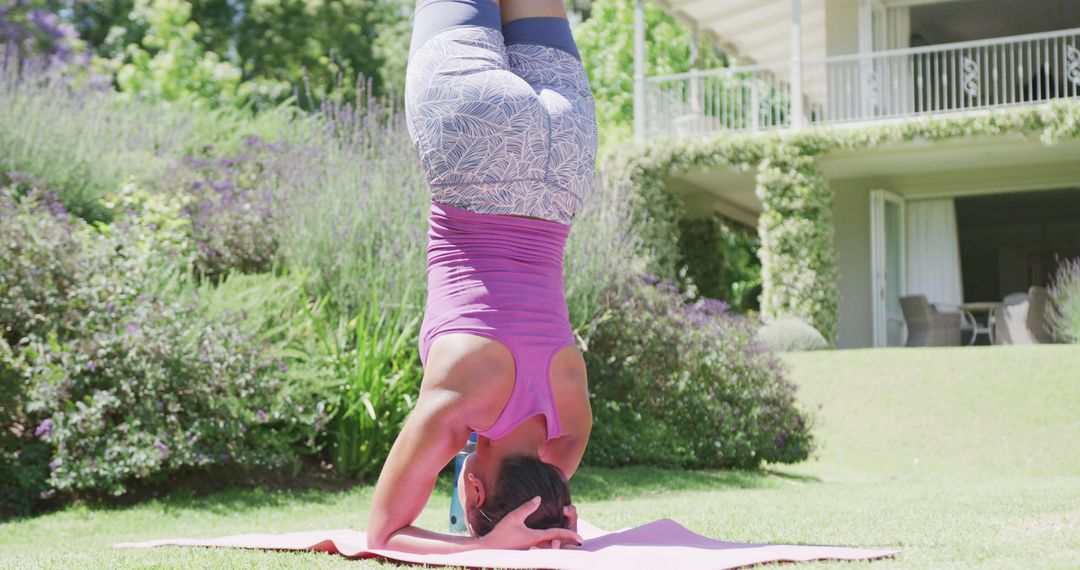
{"x": 988, "y": 307}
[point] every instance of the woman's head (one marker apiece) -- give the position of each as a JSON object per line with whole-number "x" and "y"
{"x": 518, "y": 479}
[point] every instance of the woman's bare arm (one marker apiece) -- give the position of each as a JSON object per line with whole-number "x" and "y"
{"x": 571, "y": 389}
{"x": 432, "y": 435}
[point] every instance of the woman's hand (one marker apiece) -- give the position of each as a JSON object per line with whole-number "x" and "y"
{"x": 571, "y": 515}
{"x": 511, "y": 532}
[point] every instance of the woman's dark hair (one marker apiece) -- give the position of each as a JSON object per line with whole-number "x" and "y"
{"x": 521, "y": 478}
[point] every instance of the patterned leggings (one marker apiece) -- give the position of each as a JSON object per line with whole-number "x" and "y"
{"x": 502, "y": 117}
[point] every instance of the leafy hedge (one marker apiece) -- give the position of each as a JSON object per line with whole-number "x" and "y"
{"x": 721, "y": 260}
{"x": 797, "y": 251}
{"x": 682, "y": 383}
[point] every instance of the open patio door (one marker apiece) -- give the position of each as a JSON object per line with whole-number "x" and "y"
{"x": 887, "y": 261}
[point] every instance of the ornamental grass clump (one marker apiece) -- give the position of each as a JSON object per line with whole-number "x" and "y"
{"x": 684, "y": 383}
{"x": 1065, "y": 302}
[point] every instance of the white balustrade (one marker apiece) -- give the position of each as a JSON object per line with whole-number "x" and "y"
{"x": 944, "y": 78}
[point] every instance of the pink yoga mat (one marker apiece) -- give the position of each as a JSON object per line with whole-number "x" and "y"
{"x": 660, "y": 544}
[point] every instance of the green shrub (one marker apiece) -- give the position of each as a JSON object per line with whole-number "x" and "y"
{"x": 790, "y": 334}
{"x": 23, "y": 459}
{"x": 720, "y": 259}
{"x": 125, "y": 384}
{"x": 1065, "y": 302}
{"x": 686, "y": 384}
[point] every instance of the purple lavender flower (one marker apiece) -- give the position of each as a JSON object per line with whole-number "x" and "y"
{"x": 111, "y": 306}
{"x": 221, "y": 186}
{"x": 252, "y": 140}
{"x": 91, "y": 366}
{"x": 779, "y": 441}
{"x": 713, "y": 307}
{"x": 224, "y": 457}
{"x": 261, "y": 415}
{"x": 161, "y": 446}
{"x": 131, "y": 329}
{"x": 45, "y": 429}
{"x": 55, "y": 463}
{"x": 282, "y": 366}
{"x": 160, "y": 405}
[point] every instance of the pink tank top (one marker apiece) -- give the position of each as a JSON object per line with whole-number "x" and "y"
{"x": 501, "y": 277}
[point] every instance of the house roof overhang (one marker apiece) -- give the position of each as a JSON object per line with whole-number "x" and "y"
{"x": 754, "y": 31}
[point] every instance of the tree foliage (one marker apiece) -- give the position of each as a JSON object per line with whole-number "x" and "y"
{"x": 606, "y": 43}
{"x": 310, "y": 45}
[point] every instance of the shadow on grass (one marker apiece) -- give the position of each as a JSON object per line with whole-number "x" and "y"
{"x": 223, "y": 496}
{"x": 601, "y": 484}
{"x": 231, "y": 491}
{"x": 792, "y": 477}
{"x": 239, "y": 499}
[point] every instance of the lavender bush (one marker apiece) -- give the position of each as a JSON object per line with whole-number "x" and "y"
{"x": 28, "y": 30}
{"x": 353, "y": 205}
{"x": 231, "y": 210}
{"x": 79, "y": 138}
{"x": 690, "y": 383}
{"x": 1065, "y": 302}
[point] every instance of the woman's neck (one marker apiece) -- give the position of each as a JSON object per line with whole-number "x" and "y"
{"x": 525, "y": 439}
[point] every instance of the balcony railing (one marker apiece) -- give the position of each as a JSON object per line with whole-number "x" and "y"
{"x": 865, "y": 87}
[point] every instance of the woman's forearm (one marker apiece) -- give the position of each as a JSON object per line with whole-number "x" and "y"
{"x": 420, "y": 541}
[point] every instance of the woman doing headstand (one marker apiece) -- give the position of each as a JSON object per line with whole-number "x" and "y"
{"x": 500, "y": 111}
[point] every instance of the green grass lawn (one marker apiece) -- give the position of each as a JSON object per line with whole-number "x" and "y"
{"x": 962, "y": 457}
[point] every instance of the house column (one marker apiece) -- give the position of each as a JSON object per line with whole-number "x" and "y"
{"x": 696, "y": 104}
{"x": 639, "y": 71}
{"x": 796, "y": 65}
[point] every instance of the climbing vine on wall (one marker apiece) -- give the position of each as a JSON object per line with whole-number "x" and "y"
{"x": 797, "y": 252}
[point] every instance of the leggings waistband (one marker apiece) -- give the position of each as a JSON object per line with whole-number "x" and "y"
{"x": 434, "y": 16}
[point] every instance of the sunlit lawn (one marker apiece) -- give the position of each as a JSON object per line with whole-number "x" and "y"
{"x": 962, "y": 458}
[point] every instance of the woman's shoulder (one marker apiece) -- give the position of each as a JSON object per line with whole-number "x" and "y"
{"x": 479, "y": 370}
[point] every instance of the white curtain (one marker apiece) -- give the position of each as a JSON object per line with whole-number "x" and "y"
{"x": 933, "y": 251}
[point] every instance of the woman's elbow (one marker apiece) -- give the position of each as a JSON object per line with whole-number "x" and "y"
{"x": 378, "y": 534}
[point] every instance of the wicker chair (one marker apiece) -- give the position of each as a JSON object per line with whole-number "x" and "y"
{"x": 927, "y": 326}
{"x": 1026, "y": 322}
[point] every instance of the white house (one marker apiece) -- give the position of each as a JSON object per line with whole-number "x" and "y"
{"x": 968, "y": 220}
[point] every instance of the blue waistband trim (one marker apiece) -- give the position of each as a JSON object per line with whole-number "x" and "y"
{"x": 546, "y": 31}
